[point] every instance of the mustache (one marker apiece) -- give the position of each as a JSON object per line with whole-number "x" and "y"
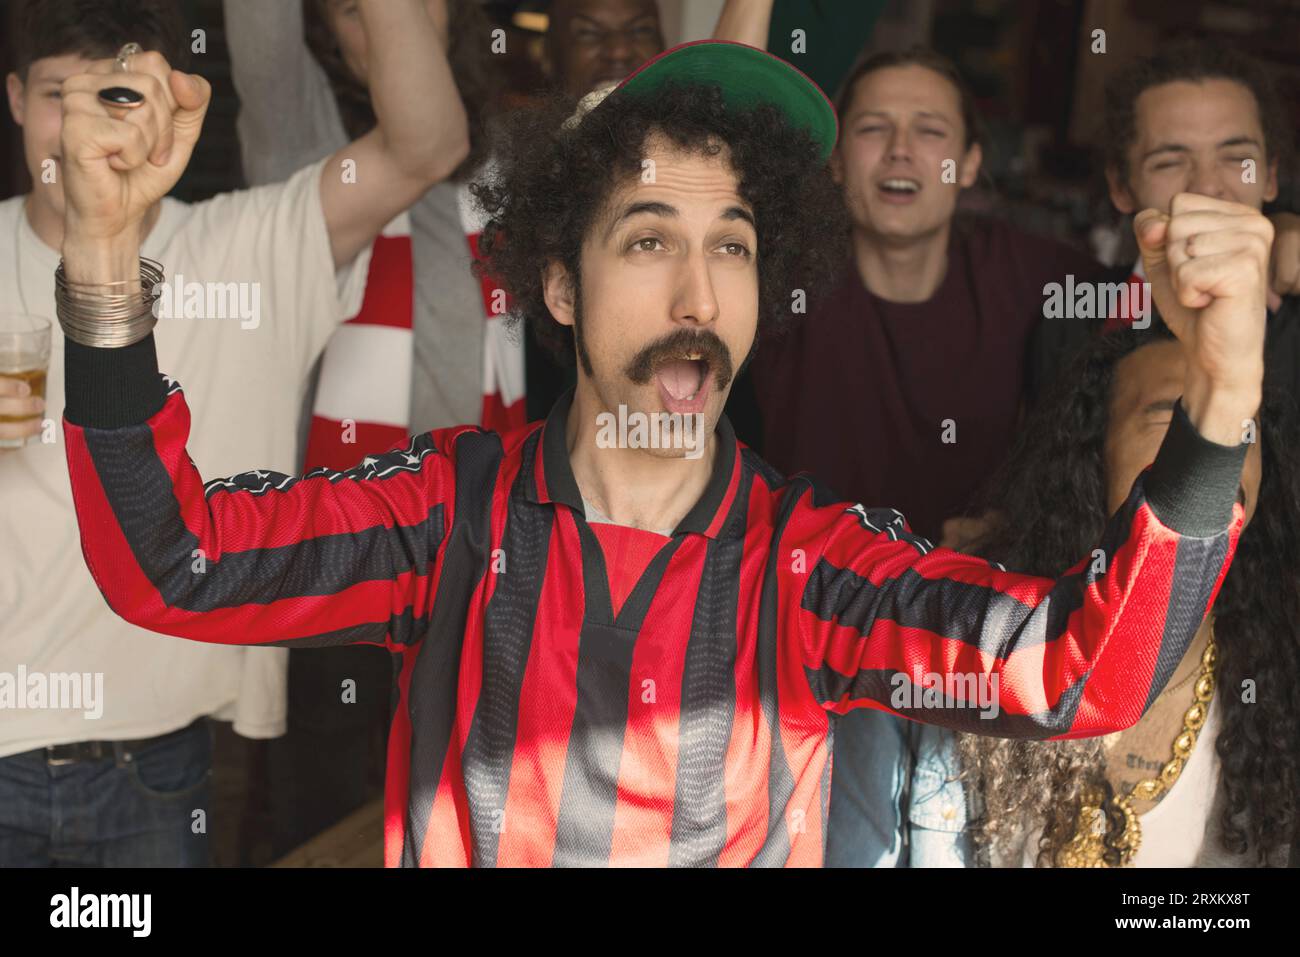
{"x": 707, "y": 345}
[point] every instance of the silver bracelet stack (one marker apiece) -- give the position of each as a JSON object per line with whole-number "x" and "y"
{"x": 108, "y": 315}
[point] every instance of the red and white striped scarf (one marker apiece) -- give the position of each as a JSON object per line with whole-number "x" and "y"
{"x": 363, "y": 397}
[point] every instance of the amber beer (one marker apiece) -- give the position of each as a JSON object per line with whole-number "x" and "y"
{"x": 33, "y": 377}
{"x": 24, "y": 355}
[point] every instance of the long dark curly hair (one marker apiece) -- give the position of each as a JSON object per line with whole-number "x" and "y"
{"x": 1053, "y": 486}
{"x": 469, "y": 31}
{"x": 552, "y": 182}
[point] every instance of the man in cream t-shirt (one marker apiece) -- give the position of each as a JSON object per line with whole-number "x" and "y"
{"x": 104, "y": 751}
{"x": 54, "y": 619}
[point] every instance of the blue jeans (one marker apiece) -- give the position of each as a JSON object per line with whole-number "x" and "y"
{"x": 132, "y": 809}
{"x": 895, "y": 797}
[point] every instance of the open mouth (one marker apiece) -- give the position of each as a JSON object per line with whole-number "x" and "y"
{"x": 683, "y": 382}
{"x": 899, "y": 188}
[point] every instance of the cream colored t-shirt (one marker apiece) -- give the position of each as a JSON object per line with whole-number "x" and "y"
{"x": 244, "y": 379}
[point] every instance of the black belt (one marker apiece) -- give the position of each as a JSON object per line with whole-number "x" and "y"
{"x": 57, "y": 754}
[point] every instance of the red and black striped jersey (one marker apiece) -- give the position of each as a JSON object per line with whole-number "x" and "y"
{"x": 535, "y": 724}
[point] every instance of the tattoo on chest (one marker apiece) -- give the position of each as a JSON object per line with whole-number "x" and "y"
{"x": 1139, "y": 763}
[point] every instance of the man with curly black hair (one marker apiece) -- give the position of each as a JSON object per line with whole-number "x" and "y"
{"x": 617, "y": 647}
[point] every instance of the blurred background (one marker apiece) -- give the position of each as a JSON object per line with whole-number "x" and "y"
{"x": 1039, "y": 87}
{"x": 1029, "y": 61}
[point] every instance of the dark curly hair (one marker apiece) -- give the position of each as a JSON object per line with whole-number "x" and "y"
{"x": 469, "y": 30}
{"x": 552, "y": 183}
{"x": 1194, "y": 61}
{"x": 1054, "y": 484}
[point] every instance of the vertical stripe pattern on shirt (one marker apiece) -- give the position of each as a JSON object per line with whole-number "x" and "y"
{"x": 584, "y": 832}
{"x": 780, "y": 782}
{"x": 431, "y": 708}
{"x": 708, "y": 703}
{"x": 507, "y": 640}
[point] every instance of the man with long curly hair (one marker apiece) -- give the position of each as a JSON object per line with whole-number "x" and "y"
{"x": 615, "y": 649}
{"x": 1223, "y": 737}
{"x": 1229, "y": 791}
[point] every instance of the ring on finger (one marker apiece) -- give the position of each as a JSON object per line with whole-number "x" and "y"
{"x": 124, "y": 55}
{"x": 121, "y": 98}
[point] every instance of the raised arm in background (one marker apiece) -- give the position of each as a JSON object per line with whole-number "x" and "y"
{"x": 421, "y": 135}
{"x": 745, "y": 21}
{"x": 288, "y": 116}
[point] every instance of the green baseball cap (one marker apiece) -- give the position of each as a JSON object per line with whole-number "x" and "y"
{"x": 748, "y": 77}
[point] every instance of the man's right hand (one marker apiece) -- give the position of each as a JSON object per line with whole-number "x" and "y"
{"x": 119, "y": 163}
{"x": 1207, "y": 262}
{"x": 16, "y": 399}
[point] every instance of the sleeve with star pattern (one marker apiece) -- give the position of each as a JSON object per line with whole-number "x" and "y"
{"x": 258, "y": 558}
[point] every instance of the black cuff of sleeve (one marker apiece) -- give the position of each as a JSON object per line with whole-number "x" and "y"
{"x": 111, "y": 388}
{"x": 1193, "y": 481}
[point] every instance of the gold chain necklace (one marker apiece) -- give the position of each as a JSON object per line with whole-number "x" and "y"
{"x": 1087, "y": 847}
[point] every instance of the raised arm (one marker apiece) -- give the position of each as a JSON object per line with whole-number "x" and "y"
{"x": 259, "y": 558}
{"x": 422, "y": 133}
{"x": 745, "y": 21}
{"x": 288, "y": 116}
{"x": 882, "y": 614}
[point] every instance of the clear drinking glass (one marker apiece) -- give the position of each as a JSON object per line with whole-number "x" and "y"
{"x": 24, "y": 354}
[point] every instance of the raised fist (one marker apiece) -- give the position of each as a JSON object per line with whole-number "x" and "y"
{"x": 119, "y": 162}
{"x": 1208, "y": 265}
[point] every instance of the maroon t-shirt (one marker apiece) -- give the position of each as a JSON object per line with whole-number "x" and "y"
{"x": 912, "y": 405}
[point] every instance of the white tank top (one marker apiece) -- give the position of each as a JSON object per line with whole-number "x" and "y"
{"x": 1174, "y": 830}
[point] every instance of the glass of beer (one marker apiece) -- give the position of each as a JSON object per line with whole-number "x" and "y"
{"x": 25, "y": 355}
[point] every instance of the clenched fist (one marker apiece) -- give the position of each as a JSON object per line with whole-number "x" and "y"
{"x": 1207, "y": 262}
{"x": 118, "y": 163}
